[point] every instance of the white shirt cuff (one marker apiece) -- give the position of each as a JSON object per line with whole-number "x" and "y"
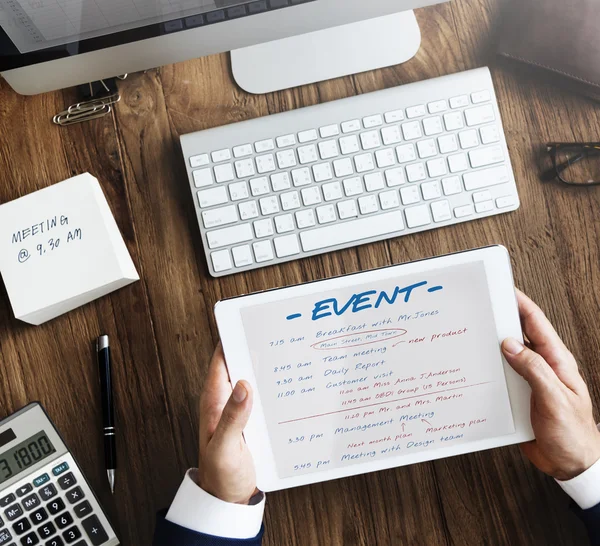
{"x": 585, "y": 488}
{"x": 197, "y": 510}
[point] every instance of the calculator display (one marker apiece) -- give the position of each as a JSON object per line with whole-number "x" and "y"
{"x": 26, "y": 454}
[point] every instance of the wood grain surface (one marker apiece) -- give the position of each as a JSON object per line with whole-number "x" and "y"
{"x": 163, "y": 331}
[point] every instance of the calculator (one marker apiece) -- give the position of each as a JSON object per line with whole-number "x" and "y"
{"x": 44, "y": 497}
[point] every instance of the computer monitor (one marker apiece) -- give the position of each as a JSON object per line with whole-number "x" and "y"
{"x": 53, "y": 44}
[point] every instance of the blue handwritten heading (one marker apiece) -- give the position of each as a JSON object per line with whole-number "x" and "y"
{"x": 362, "y": 301}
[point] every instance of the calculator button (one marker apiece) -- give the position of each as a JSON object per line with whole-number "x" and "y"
{"x": 30, "y": 539}
{"x": 38, "y": 516}
{"x": 75, "y": 495}
{"x": 55, "y": 506}
{"x": 1, "y": 522}
{"x": 13, "y": 512}
{"x": 83, "y": 509}
{"x": 46, "y": 530}
{"x": 68, "y": 480}
{"x": 5, "y": 501}
{"x": 41, "y": 480}
{"x": 58, "y": 470}
{"x": 5, "y": 536}
{"x": 21, "y": 526}
{"x": 81, "y": 543}
{"x": 24, "y": 490}
{"x": 63, "y": 520}
{"x": 72, "y": 534}
{"x": 48, "y": 492}
{"x": 94, "y": 530}
{"x": 56, "y": 541}
{"x": 31, "y": 502}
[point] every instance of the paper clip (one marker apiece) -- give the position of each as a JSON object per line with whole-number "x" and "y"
{"x": 94, "y": 108}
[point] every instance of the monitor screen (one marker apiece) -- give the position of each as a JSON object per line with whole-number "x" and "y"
{"x": 33, "y": 31}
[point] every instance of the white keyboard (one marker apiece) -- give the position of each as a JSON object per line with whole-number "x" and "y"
{"x": 349, "y": 172}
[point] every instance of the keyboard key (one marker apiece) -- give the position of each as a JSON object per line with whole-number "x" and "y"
{"x": 263, "y": 251}
{"x": 41, "y": 480}
{"x": 461, "y": 212}
{"x": 349, "y": 145}
{"x": 372, "y": 121}
{"x": 368, "y": 204}
{"x": 370, "y": 140}
{"x": 441, "y": 211}
{"x": 437, "y": 167}
{"x": 343, "y": 167}
{"x": 374, "y": 182}
{"x": 284, "y": 223}
{"x": 389, "y": 200}
{"x": 242, "y": 151}
{"x": 224, "y": 173}
{"x": 263, "y": 228}
{"x": 221, "y": 260}
{"x": 211, "y": 198}
{"x": 332, "y": 191}
{"x": 352, "y": 187}
{"x": 305, "y": 218}
{"x": 301, "y": 177}
{"x": 38, "y": 516}
{"x": 63, "y": 520}
{"x": 286, "y": 246}
{"x": 24, "y": 490}
{"x": 195, "y": 161}
{"x": 484, "y": 157}
{"x": 481, "y": 96}
{"x": 290, "y": 200}
{"x": 468, "y": 139}
{"x": 238, "y": 191}
{"x": 385, "y": 158}
{"x": 406, "y": 153}
{"x": 21, "y": 526}
{"x": 391, "y": 135}
{"x": 481, "y": 196}
{"x": 286, "y": 159}
{"x": 364, "y": 163}
{"x": 328, "y": 149}
{"x": 259, "y": 186}
{"x": 412, "y": 130}
{"x": 452, "y": 185}
{"x": 453, "y": 121}
{"x": 431, "y": 190}
{"x": 5, "y": 536}
{"x": 395, "y": 116}
{"x": 489, "y": 134}
{"x": 410, "y": 195}
{"x": 75, "y": 495}
{"x": 433, "y": 126}
{"x": 486, "y": 206}
{"x": 480, "y": 115}
{"x": 46, "y": 530}
{"x": 219, "y": 217}
{"x": 346, "y": 209}
{"x": 458, "y": 163}
{"x": 448, "y": 144}
{"x": 394, "y": 177}
{"x": 417, "y": 216}
{"x": 265, "y": 163}
{"x": 486, "y": 178}
{"x": 308, "y": 136}
{"x": 72, "y": 534}
{"x": 6, "y": 500}
{"x": 31, "y": 502}
{"x": 308, "y": 154}
{"x": 286, "y": 140}
{"x": 505, "y": 202}
{"x": 13, "y": 512}
{"x": 416, "y": 172}
{"x": 427, "y": 148}
{"x": 229, "y": 236}
{"x": 48, "y": 492}
{"x": 203, "y": 178}
{"x": 329, "y": 131}
{"x": 256, "y": 7}
{"x": 459, "y": 102}
{"x": 242, "y": 256}
{"x": 437, "y": 106}
{"x": 352, "y": 231}
{"x": 351, "y": 126}
{"x": 281, "y": 181}
{"x": 263, "y": 146}
{"x": 322, "y": 172}
{"x": 269, "y": 205}
{"x": 55, "y": 506}
{"x": 221, "y": 155}
{"x": 326, "y": 214}
{"x": 244, "y": 168}
{"x": 416, "y": 111}
{"x": 94, "y": 530}
{"x": 30, "y": 539}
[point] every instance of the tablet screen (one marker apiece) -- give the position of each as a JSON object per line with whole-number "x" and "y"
{"x": 398, "y": 366}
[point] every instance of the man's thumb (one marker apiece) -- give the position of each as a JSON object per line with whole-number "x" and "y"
{"x": 529, "y": 365}
{"x": 236, "y": 414}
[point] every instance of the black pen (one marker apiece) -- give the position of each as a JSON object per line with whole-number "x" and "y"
{"x": 108, "y": 412}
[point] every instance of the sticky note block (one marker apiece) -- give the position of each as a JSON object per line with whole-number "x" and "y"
{"x": 60, "y": 248}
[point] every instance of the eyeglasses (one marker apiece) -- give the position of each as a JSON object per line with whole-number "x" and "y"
{"x": 574, "y": 164}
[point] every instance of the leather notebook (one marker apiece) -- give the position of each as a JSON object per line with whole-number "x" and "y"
{"x": 558, "y": 37}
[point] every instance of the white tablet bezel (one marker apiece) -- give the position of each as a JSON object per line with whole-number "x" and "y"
{"x": 498, "y": 269}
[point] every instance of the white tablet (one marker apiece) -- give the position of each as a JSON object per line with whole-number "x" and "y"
{"x": 378, "y": 369}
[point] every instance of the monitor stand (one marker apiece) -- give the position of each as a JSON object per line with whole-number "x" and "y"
{"x": 327, "y": 54}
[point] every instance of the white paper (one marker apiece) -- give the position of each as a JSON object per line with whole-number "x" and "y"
{"x": 393, "y": 368}
{"x": 60, "y": 248}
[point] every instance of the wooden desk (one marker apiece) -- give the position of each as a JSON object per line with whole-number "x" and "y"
{"x": 162, "y": 327}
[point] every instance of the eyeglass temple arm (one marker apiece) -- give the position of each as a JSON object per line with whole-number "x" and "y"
{"x": 552, "y": 173}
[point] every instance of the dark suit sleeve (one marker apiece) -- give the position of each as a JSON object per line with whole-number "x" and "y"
{"x": 591, "y": 518}
{"x": 169, "y": 534}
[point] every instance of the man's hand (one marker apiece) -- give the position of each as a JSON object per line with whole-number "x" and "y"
{"x": 226, "y": 468}
{"x": 567, "y": 441}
